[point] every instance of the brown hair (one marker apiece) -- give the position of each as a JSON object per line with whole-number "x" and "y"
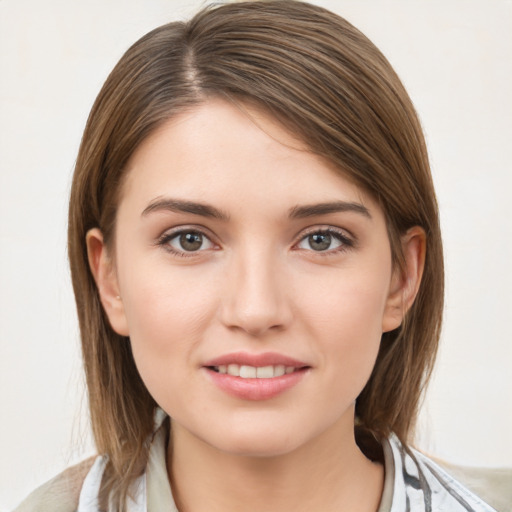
{"x": 328, "y": 84}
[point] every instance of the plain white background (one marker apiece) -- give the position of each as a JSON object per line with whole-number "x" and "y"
{"x": 455, "y": 58}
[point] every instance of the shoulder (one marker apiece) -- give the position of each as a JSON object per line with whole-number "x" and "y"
{"x": 422, "y": 483}
{"x": 493, "y": 485}
{"x": 61, "y": 493}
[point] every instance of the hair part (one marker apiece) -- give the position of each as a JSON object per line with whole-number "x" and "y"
{"x": 331, "y": 87}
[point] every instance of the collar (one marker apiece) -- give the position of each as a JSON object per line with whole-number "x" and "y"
{"x": 413, "y": 482}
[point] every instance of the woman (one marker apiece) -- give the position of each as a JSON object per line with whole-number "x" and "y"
{"x": 257, "y": 263}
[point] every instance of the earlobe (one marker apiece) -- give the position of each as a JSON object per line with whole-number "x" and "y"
{"x": 405, "y": 284}
{"x": 104, "y": 273}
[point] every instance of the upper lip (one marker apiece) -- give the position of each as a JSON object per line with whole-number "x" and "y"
{"x": 264, "y": 359}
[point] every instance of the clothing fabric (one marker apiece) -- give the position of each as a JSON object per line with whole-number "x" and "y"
{"x": 413, "y": 483}
{"x": 422, "y": 485}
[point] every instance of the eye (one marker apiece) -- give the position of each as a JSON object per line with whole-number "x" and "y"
{"x": 187, "y": 241}
{"x": 325, "y": 240}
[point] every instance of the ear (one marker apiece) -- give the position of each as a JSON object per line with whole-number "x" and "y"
{"x": 103, "y": 270}
{"x": 405, "y": 285}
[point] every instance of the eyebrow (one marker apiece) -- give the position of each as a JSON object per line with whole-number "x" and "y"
{"x": 180, "y": 206}
{"x": 301, "y": 212}
{"x": 206, "y": 210}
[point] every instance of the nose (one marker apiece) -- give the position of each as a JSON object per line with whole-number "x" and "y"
{"x": 255, "y": 299}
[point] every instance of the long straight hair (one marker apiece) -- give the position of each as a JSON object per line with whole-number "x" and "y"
{"x": 330, "y": 86}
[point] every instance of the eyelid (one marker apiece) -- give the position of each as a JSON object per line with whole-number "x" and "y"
{"x": 347, "y": 239}
{"x": 169, "y": 234}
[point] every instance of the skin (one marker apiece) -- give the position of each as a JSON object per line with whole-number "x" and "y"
{"x": 258, "y": 282}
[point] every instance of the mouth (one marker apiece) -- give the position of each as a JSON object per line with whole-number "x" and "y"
{"x": 255, "y": 376}
{"x": 255, "y": 372}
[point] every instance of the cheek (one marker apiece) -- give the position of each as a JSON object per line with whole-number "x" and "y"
{"x": 351, "y": 299}
{"x": 167, "y": 311}
{"x": 346, "y": 318}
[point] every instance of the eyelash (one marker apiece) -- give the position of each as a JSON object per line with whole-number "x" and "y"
{"x": 346, "y": 242}
{"x": 166, "y": 238}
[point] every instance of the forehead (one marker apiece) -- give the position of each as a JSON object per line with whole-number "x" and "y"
{"x": 232, "y": 154}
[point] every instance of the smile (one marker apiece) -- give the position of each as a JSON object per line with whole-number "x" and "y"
{"x": 255, "y": 376}
{"x": 254, "y": 372}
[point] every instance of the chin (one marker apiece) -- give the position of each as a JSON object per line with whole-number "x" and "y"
{"x": 254, "y": 439}
{"x": 259, "y": 446}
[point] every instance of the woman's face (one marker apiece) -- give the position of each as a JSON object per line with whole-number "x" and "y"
{"x": 254, "y": 282}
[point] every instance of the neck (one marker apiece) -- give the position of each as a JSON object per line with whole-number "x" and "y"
{"x": 328, "y": 473}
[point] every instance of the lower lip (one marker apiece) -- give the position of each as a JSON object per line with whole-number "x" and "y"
{"x": 256, "y": 389}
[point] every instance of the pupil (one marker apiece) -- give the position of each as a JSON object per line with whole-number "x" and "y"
{"x": 320, "y": 241}
{"x": 191, "y": 241}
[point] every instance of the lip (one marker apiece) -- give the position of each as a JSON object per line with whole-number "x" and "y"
{"x": 263, "y": 359}
{"x": 255, "y": 389}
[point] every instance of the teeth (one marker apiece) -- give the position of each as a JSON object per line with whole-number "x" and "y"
{"x": 233, "y": 369}
{"x": 247, "y": 372}
{"x": 253, "y": 372}
{"x": 265, "y": 372}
